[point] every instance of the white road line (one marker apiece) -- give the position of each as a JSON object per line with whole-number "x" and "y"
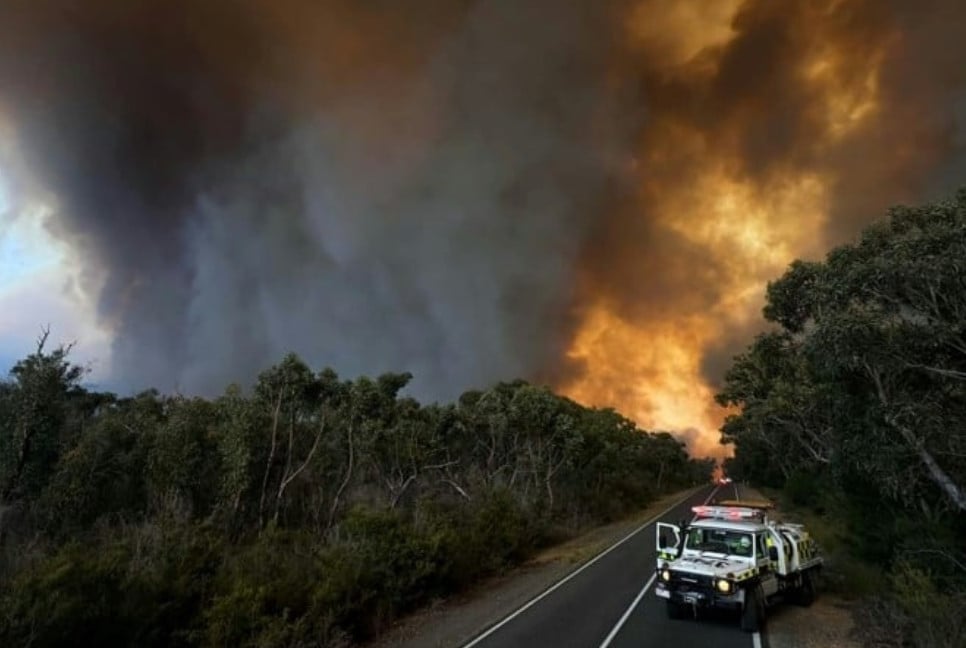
{"x": 627, "y": 613}
{"x": 640, "y": 595}
{"x": 756, "y": 637}
{"x": 572, "y": 574}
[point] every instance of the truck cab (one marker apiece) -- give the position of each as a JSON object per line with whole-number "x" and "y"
{"x": 732, "y": 557}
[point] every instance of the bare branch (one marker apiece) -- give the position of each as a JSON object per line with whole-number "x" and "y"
{"x": 949, "y": 373}
{"x": 456, "y": 487}
{"x": 937, "y": 552}
{"x": 446, "y": 464}
{"x": 42, "y": 339}
{"x": 402, "y": 489}
{"x": 288, "y": 480}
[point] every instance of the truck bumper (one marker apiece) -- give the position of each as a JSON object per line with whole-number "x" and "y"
{"x": 702, "y": 597}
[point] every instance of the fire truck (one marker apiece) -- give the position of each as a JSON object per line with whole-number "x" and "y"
{"x": 732, "y": 556}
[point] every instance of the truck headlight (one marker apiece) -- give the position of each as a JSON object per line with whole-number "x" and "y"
{"x": 666, "y": 575}
{"x": 724, "y": 586}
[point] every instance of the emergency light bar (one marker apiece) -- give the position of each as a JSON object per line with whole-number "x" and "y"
{"x": 727, "y": 512}
{"x": 752, "y": 504}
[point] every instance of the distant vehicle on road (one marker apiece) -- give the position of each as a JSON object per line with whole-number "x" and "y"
{"x": 732, "y": 556}
{"x": 724, "y": 481}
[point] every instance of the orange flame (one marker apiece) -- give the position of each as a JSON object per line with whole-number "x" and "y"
{"x": 650, "y": 365}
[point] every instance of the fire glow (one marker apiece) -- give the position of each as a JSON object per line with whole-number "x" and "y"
{"x": 751, "y": 225}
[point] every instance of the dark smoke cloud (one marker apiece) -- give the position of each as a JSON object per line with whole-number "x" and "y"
{"x": 915, "y": 149}
{"x": 447, "y": 187}
{"x": 376, "y": 188}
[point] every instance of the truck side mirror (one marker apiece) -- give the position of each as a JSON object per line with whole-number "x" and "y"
{"x": 773, "y": 553}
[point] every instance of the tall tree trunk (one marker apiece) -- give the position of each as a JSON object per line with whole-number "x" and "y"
{"x": 289, "y": 476}
{"x": 271, "y": 460}
{"x": 936, "y": 472}
{"x": 345, "y": 480}
{"x": 548, "y": 483}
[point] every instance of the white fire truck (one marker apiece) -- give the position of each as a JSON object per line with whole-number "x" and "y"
{"x": 732, "y": 556}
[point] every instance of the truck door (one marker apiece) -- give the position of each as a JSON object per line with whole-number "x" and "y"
{"x": 766, "y": 567}
{"x": 668, "y": 541}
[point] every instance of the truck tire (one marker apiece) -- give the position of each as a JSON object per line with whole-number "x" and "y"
{"x": 805, "y": 594}
{"x": 675, "y": 610}
{"x": 753, "y": 612}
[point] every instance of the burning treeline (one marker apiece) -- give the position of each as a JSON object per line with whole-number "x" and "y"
{"x": 588, "y": 193}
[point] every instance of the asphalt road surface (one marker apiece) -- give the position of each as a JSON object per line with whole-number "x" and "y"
{"x": 610, "y": 603}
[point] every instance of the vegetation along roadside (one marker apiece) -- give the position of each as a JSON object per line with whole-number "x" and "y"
{"x": 309, "y": 511}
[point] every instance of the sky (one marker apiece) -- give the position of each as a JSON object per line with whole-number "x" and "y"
{"x": 591, "y": 195}
{"x": 38, "y": 290}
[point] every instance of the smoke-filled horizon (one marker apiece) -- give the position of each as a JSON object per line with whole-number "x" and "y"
{"x": 590, "y": 194}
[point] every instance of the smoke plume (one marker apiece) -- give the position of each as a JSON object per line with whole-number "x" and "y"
{"x": 587, "y": 193}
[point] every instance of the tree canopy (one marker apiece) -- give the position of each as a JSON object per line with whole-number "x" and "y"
{"x": 308, "y": 510}
{"x": 859, "y": 389}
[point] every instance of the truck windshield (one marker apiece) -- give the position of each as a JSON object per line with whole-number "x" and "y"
{"x": 720, "y": 541}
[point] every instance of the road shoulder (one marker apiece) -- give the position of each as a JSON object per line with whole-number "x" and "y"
{"x": 454, "y": 621}
{"x": 827, "y": 623}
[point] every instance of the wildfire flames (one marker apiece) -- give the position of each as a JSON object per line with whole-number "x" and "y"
{"x": 744, "y": 225}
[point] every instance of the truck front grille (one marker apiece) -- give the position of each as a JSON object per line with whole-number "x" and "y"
{"x": 691, "y": 582}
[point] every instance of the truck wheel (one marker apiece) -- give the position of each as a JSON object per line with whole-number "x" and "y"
{"x": 675, "y": 610}
{"x": 805, "y": 595}
{"x": 753, "y": 613}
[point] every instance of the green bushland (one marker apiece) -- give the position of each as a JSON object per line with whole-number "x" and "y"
{"x": 853, "y": 407}
{"x": 848, "y": 571}
{"x": 306, "y": 511}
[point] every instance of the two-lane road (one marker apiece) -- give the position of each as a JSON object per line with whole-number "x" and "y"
{"x": 609, "y": 602}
